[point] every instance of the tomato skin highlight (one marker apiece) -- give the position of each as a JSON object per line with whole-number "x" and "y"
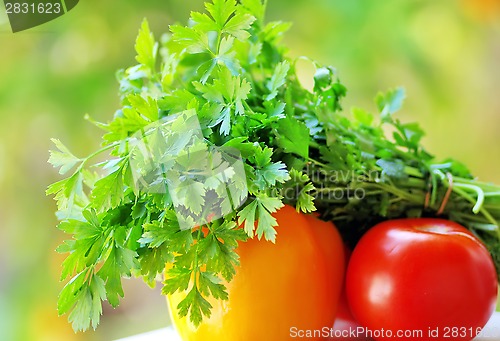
{"x": 421, "y": 274}
{"x": 295, "y": 282}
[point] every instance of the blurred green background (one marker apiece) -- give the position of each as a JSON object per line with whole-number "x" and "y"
{"x": 445, "y": 53}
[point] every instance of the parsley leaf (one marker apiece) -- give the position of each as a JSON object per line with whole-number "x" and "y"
{"x": 83, "y": 294}
{"x": 146, "y": 47}
{"x": 190, "y": 38}
{"x": 62, "y": 158}
{"x": 293, "y": 136}
{"x": 300, "y": 186}
{"x": 260, "y": 210}
{"x": 108, "y": 191}
{"x": 390, "y": 102}
{"x": 277, "y": 80}
{"x": 229, "y": 93}
{"x": 117, "y": 263}
{"x": 195, "y": 305}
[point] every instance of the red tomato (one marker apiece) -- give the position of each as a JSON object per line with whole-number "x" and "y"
{"x": 280, "y": 291}
{"x": 428, "y": 276}
{"x": 346, "y": 326}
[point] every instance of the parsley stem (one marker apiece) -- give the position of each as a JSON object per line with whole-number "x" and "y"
{"x": 97, "y": 152}
{"x": 412, "y": 171}
{"x": 480, "y": 195}
{"x": 196, "y": 268}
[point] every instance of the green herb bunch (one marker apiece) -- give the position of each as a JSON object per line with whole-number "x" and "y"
{"x": 229, "y": 70}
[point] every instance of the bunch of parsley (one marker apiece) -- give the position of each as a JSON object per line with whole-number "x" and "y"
{"x": 296, "y": 145}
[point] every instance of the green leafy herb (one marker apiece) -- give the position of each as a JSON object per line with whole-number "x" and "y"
{"x": 216, "y": 133}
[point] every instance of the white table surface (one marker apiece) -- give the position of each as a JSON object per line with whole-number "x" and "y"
{"x": 491, "y": 332}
